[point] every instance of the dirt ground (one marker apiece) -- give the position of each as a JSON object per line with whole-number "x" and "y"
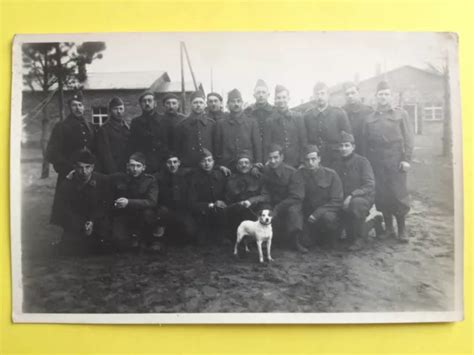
{"x": 381, "y": 275}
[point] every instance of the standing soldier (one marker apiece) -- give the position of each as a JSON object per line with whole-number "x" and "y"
{"x": 68, "y": 136}
{"x": 388, "y": 144}
{"x": 172, "y": 116}
{"x": 237, "y": 132}
{"x": 357, "y": 113}
{"x": 324, "y": 124}
{"x": 322, "y": 202}
{"x": 358, "y": 184}
{"x": 195, "y": 133}
{"x": 215, "y": 109}
{"x": 149, "y": 133}
{"x": 285, "y": 128}
{"x": 113, "y": 140}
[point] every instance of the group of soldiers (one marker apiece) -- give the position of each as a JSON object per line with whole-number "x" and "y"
{"x": 166, "y": 178}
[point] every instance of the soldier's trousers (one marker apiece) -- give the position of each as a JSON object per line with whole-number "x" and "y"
{"x": 179, "y": 224}
{"x": 287, "y": 223}
{"x": 211, "y": 225}
{"x": 327, "y": 229}
{"x": 236, "y": 214}
{"x": 128, "y": 224}
{"x": 355, "y": 215}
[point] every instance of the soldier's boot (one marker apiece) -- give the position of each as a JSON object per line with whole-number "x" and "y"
{"x": 402, "y": 236}
{"x": 298, "y": 243}
{"x": 389, "y": 231}
{"x": 377, "y": 225}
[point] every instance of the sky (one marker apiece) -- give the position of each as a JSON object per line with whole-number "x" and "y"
{"x": 296, "y": 60}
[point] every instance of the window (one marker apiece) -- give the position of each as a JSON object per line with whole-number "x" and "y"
{"x": 433, "y": 113}
{"x": 99, "y": 115}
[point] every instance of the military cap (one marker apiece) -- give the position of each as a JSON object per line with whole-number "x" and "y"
{"x": 216, "y": 95}
{"x": 261, "y": 83}
{"x": 346, "y": 137}
{"x": 234, "y": 94}
{"x": 139, "y": 157}
{"x": 350, "y": 84}
{"x": 116, "y": 101}
{"x": 280, "y": 88}
{"x": 244, "y": 154}
{"x": 169, "y": 96}
{"x": 320, "y": 86}
{"x": 76, "y": 96}
{"x": 311, "y": 148}
{"x": 83, "y": 156}
{"x": 170, "y": 155}
{"x": 383, "y": 85}
{"x": 275, "y": 148}
{"x": 146, "y": 93}
{"x": 197, "y": 94}
{"x": 204, "y": 153}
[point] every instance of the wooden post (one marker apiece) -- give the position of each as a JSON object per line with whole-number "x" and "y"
{"x": 183, "y": 89}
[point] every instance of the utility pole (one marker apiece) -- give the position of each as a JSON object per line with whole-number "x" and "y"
{"x": 183, "y": 89}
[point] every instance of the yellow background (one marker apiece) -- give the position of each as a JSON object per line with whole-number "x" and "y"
{"x": 137, "y": 16}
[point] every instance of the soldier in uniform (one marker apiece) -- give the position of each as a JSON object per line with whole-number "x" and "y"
{"x": 83, "y": 201}
{"x": 357, "y": 112}
{"x": 206, "y": 199}
{"x": 323, "y": 196}
{"x": 388, "y": 144}
{"x": 149, "y": 133}
{"x": 324, "y": 124}
{"x": 285, "y": 128}
{"x": 261, "y": 109}
{"x": 135, "y": 200}
{"x": 113, "y": 140}
{"x": 195, "y": 133}
{"x": 68, "y": 136}
{"x": 284, "y": 192}
{"x": 215, "y": 108}
{"x": 243, "y": 191}
{"x": 173, "y": 211}
{"x": 358, "y": 185}
{"x": 172, "y": 116}
{"x": 237, "y": 132}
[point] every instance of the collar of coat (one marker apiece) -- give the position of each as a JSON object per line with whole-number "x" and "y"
{"x": 236, "y": 118}
{"x": 279, "y": 171}
{"x": 388, "y": 112}
{"x": 357, "y": 107}
{"x": 79, "y": 184}
{"x": 195, "y": 118}
{"x": 321, "y": 176}
{"x": 81, "y": 119}
{"x": 213, "y": 174}
{"x": 265, "y": 107}
{"x": 286, "y": 114}
{"x": 116, "y": 124}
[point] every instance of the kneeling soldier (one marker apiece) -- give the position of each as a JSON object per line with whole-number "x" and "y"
{"x": 173, "y": 211}
{"x": 83, "y": 205}
{"x": 358, "y": 184}
{"x": 206, "y": 196}
{"x": 322, "y": 202}
{"x": 136, "y": 195}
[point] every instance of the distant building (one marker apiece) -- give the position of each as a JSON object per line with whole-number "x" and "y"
{"x": 98, "y": 89}
{"x": 419, "y": 92}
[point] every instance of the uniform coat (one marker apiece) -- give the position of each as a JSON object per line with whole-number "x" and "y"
{"x": 149, "y": 134}
{"x": 113, "y": 146}
{"x": 323, "y": 129}
{"x": 172, "y": 119}
{"x": 260, "y": 114}
{"x": 388, "y": 140}
{"x": 357, "y": 114}
{"x": 67, "y": 136}
{"x": 191, "y": 136}
{"x": 216, "y": 116}
{"x": 234, "y": 134}
{"x": 286, "y": 129}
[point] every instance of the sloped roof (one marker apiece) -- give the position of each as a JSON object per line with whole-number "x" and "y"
{"x": 175, "y": 86}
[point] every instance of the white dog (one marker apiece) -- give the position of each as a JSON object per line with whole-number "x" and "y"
{"x": 261, "y": 230}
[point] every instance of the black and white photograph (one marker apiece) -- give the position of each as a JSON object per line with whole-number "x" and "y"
{"x": 236, "y": 177}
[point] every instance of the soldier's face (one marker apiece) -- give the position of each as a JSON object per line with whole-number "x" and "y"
{"x": 173, "y": 165}
{"x": 282, "y": 99}
{"x": 214, "y": 104}
{"x": 198, "y": 105}
{"x": 261, "y": 94}
{"x": 147, "y": 103}
{"x": 83, "y": 170}
{"x": 384, "y": 97}
{"x": 117, "y": 112}
{"x": 171, "y": 105}
{"x": 235, "y": 105}
{"x": 77, "y": 108}
{"x": 275, "y": 159}
{"x": 207, "y": 163}
{"x": 312, "y": 161}
{"x": 346, "y": 148}
{"x": 352, "y": 95}
{"x": 321, "y": 97}
{"x": 135, "y": 168}
{"x": 244, "y": 165}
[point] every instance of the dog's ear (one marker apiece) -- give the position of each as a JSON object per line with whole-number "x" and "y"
{"x": 264, "y": 207}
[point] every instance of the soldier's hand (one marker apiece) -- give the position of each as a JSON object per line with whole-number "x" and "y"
{"x": 259, "y": 165}
{"x": 404, "y": 166}
{"x": 70, "y": 175}
{"x": 256, "y": 171}
{"x": 225, "y": 170}
{"x": 311, "y": 219}
{"x": 245, "y": 203}
{"x": 347, "y": 202}
{"x": 88, "y": 228}
{"x": 220, "y": 204}
{"x": 121, "y": 202}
